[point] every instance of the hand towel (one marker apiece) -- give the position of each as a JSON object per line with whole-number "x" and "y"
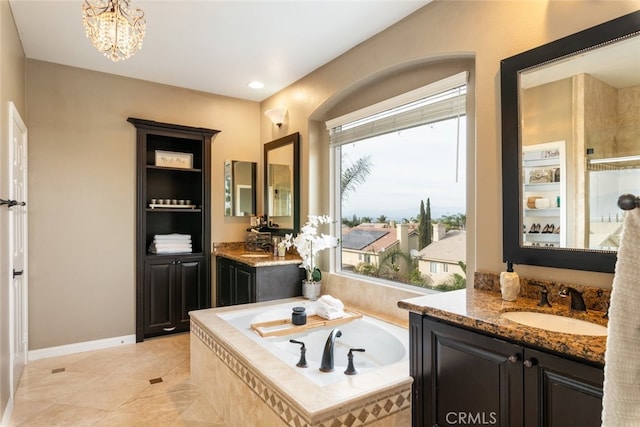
{"x": 169, "y": 250}
{"x": 330, "y": 308}
{"x": 171, "y": 245}
{"x": 331, "y": 302}
{"x": 172, "y": 237}
{"x": 330, "y": 315}
{"x": 621, "y": 399}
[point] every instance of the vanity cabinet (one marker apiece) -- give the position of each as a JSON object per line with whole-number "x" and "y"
{"x": 464, "y": 377}
{"x": 173, "y": 287}
{"x": 240, "y": 283}
{"x": 173, "y": 192}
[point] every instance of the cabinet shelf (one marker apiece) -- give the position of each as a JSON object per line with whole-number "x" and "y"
{"x": 543, "y": 237}
{"x": 172, "y": 210}
{"x": 164, "y": 168}
{"x": 549, "y": 212}
{"x": 546, "y": 186}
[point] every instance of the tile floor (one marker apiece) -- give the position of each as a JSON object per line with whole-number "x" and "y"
{"x": 144, "y": 384}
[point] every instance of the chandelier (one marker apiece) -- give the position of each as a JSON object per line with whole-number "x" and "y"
{"x": 113, "y": 28}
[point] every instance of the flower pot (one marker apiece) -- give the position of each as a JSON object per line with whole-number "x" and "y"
{"x": 311, "y": 289}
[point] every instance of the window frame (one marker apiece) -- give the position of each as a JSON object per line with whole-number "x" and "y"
{"x": 335, "y": 264}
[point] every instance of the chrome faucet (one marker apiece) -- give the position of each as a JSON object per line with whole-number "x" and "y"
{"x": 577, "y": 302}
{"x": 327, "y": 354}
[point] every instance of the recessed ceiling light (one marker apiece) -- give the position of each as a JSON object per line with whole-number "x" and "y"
{"x": 256, "y": 85}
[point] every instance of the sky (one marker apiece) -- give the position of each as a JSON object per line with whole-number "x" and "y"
{"x": 410, "y": 166}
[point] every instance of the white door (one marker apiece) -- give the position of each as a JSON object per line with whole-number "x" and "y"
{"x": 18, "y": 308}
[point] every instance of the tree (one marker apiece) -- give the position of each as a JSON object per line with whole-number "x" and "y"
{"x": 424, "y": 226}
{"x": 382, "y": 219}
{"x": 354, "y": 175}
{"x": 456, "y": 221}
{"x": 351, "y": 223}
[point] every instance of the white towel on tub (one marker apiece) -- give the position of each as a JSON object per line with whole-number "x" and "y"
{"x": 621, "y": 400}
{"x": 330, "y": 308}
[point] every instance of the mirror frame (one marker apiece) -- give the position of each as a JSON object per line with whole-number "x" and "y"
{"x": 570, "y": 258}
{"x": 293, "y": 139}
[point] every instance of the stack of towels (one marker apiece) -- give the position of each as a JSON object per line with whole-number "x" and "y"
{"x": 170, "y": 244}
{"x": 330, "y": 308}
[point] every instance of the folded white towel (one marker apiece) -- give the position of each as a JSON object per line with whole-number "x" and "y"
{"x": 330, "y": 315}
{"x": 621, "y": 399}
{"x": 330, "y": 308}
{"x": 169, "y": 250}
{"x": 172, "y": 237}
{"x": 171, "y": 245}
{"x": 329, "y": 301}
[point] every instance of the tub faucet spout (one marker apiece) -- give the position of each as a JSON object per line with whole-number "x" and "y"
{"x": 327, "y": 354}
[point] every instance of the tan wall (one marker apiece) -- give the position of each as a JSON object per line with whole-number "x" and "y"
{"x": 82, "y": 190}
{"x": 486, "y": 30}
{"x": 12, "y": 88}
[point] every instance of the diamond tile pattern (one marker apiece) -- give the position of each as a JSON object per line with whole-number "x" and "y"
{"x": 378, "y": 409}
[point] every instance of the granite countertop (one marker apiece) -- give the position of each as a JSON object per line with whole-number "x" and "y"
{"x": 480, "y": 310}
{"x": 236, "y": 252}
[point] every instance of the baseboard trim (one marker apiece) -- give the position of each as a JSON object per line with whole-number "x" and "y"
{"x": 80, "y": 347}
{"x": 6, "y": 413}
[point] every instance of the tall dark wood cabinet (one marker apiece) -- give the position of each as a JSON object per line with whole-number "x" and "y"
{"x": 174, "y": 171}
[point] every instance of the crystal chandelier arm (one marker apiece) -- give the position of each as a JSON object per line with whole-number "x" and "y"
{"x": 113, "y": 28}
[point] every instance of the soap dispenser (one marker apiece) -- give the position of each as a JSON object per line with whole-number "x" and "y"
{"x": 509, "y": 283}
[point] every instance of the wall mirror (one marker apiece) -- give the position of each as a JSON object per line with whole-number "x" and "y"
{"x": 571, "y": 146}
{"x": 239, "y": 188}
{"x": 282, "y": 184}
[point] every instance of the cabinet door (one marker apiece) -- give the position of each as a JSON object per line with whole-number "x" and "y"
{"x": 159, "y": 301}
{"x": 561, "y": 392}
{"x": 469, "y": 378}
{"x": 278, "y": 281}
{"x": 190, "y": 286}
{"x": 225, "y": 278}
{"x": 244, "y": 289}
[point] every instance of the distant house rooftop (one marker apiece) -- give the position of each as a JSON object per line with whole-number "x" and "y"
{"x": 450, "y": 248}
{"x": 370, "y": 237}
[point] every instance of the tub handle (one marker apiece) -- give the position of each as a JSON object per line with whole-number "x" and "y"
{"x": 351, "y": 370}
{"x": 302, "y": 363}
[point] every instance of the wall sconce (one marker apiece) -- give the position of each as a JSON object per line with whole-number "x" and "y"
{"x": 276, "y": 115}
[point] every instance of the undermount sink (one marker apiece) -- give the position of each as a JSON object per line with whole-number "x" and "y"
{"x": 555, "y": 323}
{"x": 256, "y": 255}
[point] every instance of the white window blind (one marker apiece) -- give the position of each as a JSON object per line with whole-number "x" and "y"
{"x": 432, "y": 103}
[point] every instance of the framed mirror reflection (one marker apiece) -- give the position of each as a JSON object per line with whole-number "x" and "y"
{"x": 282, "y": 184}
{"x": 571, "y": 146}
{"x": 239, "y": 188}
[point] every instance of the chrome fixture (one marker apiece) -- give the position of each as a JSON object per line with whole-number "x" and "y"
{"x": 327, "y": 354}
{"x": 113, "y": 28}
{"x": 276, "y": 115}
{"x": 577, "y": 302}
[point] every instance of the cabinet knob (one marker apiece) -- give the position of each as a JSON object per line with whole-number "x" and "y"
{"x": 514, "y": 358}
{"x": 530, "y": 363}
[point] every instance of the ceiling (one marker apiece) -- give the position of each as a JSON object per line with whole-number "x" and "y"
{"x": 215, "y": 46}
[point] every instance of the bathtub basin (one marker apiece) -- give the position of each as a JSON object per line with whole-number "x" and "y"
{"x": 385, "y": 344}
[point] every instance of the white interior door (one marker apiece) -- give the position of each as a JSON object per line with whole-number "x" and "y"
{"x": 18, "y": 306}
